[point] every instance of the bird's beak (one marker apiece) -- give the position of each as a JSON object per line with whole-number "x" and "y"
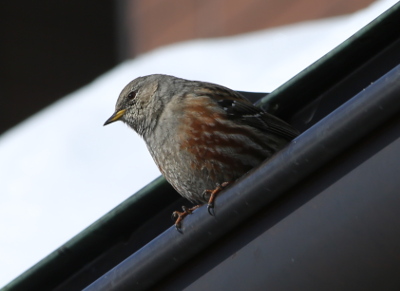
{"x": 116, "y": 116}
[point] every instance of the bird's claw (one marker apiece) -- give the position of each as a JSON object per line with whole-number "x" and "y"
{"x": 210, "y": 208}
{"x": 205, "y": 194}
{"x": 178, "y": 228}
{"x": 212, "y": 194}
{"x": 179, "y": 216}
{"x": 174, "y": 215}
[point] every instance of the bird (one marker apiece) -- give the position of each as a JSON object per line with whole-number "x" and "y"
{"x": 202, "y": 136}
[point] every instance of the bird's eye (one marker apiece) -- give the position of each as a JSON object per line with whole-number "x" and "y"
{"x": 131, "y": 95}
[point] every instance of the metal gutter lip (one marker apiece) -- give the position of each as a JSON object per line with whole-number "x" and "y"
{"x": 315, "y": 147}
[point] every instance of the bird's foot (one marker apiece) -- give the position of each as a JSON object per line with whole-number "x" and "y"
{"x": 213, "y": 194}
{"x": 179, "y": 216}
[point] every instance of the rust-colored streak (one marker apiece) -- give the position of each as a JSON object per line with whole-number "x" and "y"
{"x": 197, "y": 137}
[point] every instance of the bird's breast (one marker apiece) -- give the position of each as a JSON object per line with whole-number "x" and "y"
{"x": 216, "y": 143}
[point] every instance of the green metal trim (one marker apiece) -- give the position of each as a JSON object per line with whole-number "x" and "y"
{"x": 339, "y": 62}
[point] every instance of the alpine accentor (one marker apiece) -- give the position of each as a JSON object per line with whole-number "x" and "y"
{"x": 200, "y": 135}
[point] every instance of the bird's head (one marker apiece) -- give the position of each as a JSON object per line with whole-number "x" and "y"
{"x": 142, "y": 101}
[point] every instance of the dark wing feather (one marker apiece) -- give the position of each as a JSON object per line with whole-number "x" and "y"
{"x": 247, "y": 113}
{"x": 243, "y": 111}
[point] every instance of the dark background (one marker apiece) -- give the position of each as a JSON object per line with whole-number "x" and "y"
{"x": 49, "y": 49}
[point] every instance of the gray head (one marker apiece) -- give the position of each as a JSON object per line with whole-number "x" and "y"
{"x": 142, "y": 101}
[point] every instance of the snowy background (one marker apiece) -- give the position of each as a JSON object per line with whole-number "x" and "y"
{"x": 61, "y": 170}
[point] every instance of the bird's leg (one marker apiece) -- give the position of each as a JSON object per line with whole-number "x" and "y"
{"x": 181, "y": 215}
{"x": 213, "y": 195}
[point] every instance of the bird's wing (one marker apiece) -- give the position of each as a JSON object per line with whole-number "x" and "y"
{"x": 242, "y": 111}
{"x": 247, "y": 113}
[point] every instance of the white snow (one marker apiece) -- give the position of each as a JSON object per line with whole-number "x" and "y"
{"x": 61, "y": 169}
